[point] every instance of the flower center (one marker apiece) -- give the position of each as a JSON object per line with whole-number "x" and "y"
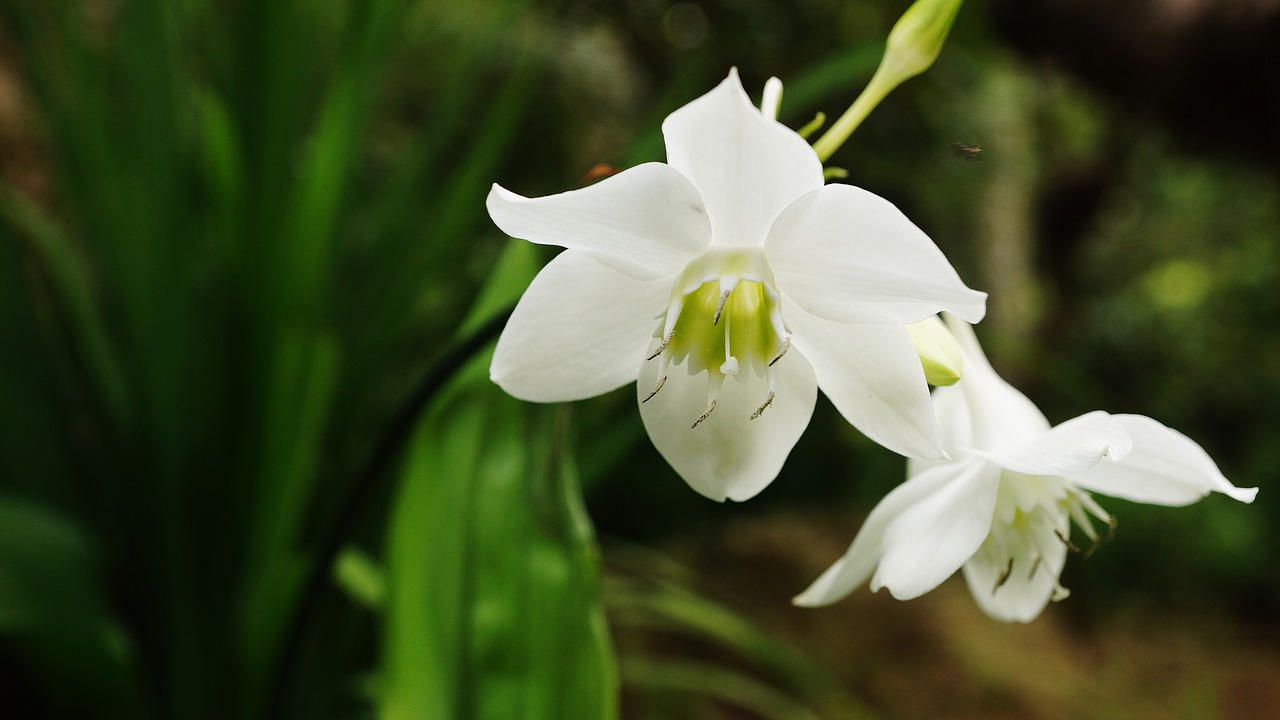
{"x": 1032, "y": 514}
{"x": 725, "y": 316}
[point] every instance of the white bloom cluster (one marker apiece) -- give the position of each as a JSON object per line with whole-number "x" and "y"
{"x": 731, "y": 283}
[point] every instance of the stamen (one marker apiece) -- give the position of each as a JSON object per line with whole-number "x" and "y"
{"x": 1065, "y": 541}
{"x": 724, "y": 297}
{"x": 786, "y": 345}
{"x": 1092, "y": 549}
{"x": 1034, "y": 566}
{"x": 1003, "y": 577}
{"x": 673, "y": 316}
{"x": 661, "y": 347}
{"x": 661, "y": 381}
{"x": 1094, "y": 508}
{"x": 710, "y": 409}
{"x": 1082, "y": 520}
{"x": 713, "y": 392}
{"x": 760, "y": 410}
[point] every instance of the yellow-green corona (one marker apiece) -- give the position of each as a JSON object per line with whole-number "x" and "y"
{"x": 725, "y": 317}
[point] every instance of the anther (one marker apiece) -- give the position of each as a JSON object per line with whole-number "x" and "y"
{"x": 1034, "y": 566}
{"x": 786, "y": 345}
{"x": 724, "y": 298}
{"x": 1097, "y": 541}
{"x": 1003, "y": 577}
{"x": 661, "y": 348}
{"x": 710, "y": 409}
{"x": 760, "y": 410}
{"x": 1066, "y": 541}
{"x": 661, "y": 381}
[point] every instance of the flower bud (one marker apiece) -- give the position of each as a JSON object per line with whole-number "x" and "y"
{"x": 938, "y": 350}
{"x": 917, "y": 38}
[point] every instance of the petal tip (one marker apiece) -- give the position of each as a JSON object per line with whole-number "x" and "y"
{"x": 1244, "y": 495}
{"x": 809, "y": 599}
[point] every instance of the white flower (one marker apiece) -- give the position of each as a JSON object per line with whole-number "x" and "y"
{"x": 1003, "y": 504}
{"x": 731, "y": 283}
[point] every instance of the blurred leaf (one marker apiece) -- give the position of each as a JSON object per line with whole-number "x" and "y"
{"x": 53, "y": 611}
{"x": 69, "y": 274}
{"x": 362, "y": 578}
{"x": 723, "y": 684}
{"x": 493, "y": 590}
{"x": 493, "y": 608}
{"x": 655, "y": 593}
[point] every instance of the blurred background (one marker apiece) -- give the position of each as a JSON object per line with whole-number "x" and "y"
{"x": 240, "y": 241}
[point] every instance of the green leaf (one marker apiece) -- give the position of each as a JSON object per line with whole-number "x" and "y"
{"x": 493, "y": 589}
{"x": 53, "y": 612}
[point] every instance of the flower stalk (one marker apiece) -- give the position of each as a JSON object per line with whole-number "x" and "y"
{"x": 913, "y": 45}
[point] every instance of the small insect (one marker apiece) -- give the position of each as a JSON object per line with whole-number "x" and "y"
{"x": 968, "y": 153}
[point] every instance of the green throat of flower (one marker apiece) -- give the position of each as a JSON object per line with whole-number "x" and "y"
{"x": 724, "y": 318}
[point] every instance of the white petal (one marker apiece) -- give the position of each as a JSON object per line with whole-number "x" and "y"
{"x": 577, "y": 332}
{"x": 1001, "y": 416}
{"x": 872, "y": 375}
{"x": 849, "y": 255}
{"x": 728, "y": 455}
{"x": 1075, "y": 445}
{"x": 855, "y": 568}
{"x": 1030, "y": 581}
{"x": 955, "y": 431}
{"x": 928, "y": 542}
{"x": 746, "y": 167}
{"x": 1164, "y": 468}
{"x": 645, "y": 221}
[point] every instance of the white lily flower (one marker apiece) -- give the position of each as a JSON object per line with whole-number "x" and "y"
{"x": 731, "y": 283}
{"x": 1002, "y": 506}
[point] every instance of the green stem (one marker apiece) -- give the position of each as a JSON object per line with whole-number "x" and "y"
{"x": 834, "y": 137}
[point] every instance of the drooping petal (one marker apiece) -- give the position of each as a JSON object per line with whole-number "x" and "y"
{"x": 645, "y": 221}
{"x": 746, "y": 167}
{"x": 1165, "y": 467}
{"x": 728, "y": 455}
{"x": 857, "y": 564}
{"x": 931, "y": 540}
{"x": 848, "y": 255}
{"x": 1015, "y": 572}
{"x": 1075, "y": 445}
{"x": 951, "y": 409}
{"x": 872, "y": 374}
{"x": 1001, "y": 416}
{"x": 577, "y": 332}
